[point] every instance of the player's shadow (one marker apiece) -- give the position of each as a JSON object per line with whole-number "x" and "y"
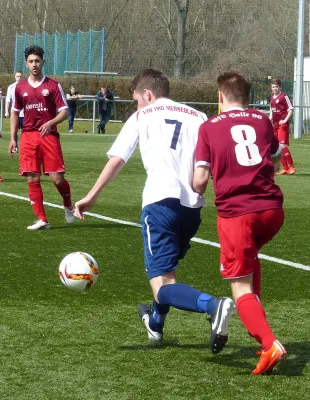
{"x": 297, "y": 359}
{"x": 294, "y": 365}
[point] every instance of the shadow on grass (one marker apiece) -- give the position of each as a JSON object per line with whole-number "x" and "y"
{"x": 294, "y": 365}
{"x": 91, "y": 226}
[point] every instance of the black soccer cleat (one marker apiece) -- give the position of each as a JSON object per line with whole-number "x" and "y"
{"x": 219, "y": 324}
{"x": 145, "y": 311}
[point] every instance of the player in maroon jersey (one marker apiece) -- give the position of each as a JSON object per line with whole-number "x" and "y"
{"x": 45, "y": 107}
{"x": 281, "y": 111}
{"x": 239, "y": 148}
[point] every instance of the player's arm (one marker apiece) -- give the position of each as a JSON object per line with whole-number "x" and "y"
{"x": 201, "y": 179}
{"x": 45, "y": 129}
{"x": 288, "y": 117}
{"x": 14, "y": 128}
{"x": 109, "y": 172}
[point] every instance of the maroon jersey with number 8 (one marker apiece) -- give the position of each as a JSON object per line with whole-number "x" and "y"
{"x": 238, "y": 146}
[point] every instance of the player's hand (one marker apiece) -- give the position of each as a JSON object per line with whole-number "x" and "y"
{"x": 281, "y": 122}
{"x": 12, "y": 147}
{"x": 81, "y": 206}
{"x": 45, "y": 129}
{"x": 7, "y": 115}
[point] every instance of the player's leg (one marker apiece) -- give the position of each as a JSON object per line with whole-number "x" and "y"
{"x": 53, "y": 165}
{"x": 30, "y": 167}
{"x": 36, "y": 199}
{"x": 239, "y": 252}
{"x": 162, "y": 225}
{"x": 286, "y": 160}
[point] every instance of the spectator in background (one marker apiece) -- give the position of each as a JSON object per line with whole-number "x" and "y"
{"x": 72, "y": 97}
{"x": 9, "y": 102}
{"x": 104, "y": 98}
{"x": 281, "y": 111}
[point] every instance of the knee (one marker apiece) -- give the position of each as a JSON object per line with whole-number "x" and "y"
{"x": 58, "y": 179}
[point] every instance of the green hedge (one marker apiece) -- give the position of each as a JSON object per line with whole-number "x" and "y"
{"x": 184, "y": 90}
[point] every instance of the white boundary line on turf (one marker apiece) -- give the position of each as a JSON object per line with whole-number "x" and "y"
{"x": 203, "y": 241}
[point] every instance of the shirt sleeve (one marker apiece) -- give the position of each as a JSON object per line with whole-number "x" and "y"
{"x": 60, "y": 99}
{"x": 127, "y": 140}
{"x": 202, "y": 154}
{"x": 17, "y": 100}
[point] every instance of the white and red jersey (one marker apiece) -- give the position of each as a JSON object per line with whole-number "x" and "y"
{"x": 238, "y": 146}
{"x": 40, "y": 103}
{"x": 10, "y": 95}
{"x": 280, "y": 106}
{"x": 167, "y": 134}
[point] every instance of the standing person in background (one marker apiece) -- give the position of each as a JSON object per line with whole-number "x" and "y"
{"x": 9, "y": 102}
{"x": 239, "y": 148}
{"x": 166, "y": 133}
{"x": 72, "y": 97}
{"x": 281, "y": 111}
{"x": 45, "y": 106}
{"x": 104, "y": 98}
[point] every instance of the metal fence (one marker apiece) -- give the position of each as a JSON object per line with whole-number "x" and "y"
{"x": 87, "y": 110}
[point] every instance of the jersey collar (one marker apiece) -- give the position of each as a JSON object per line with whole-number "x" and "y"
{"x": 35, "y": 86}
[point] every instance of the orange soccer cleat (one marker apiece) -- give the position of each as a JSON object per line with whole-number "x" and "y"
{"x": 283, "y": 172}
{"x": 270, "y": 358}
{"x": 291, "y": 170}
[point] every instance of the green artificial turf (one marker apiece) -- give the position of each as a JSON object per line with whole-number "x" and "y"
{"x": 56, "y": 344}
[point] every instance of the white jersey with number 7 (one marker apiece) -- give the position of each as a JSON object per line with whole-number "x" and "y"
{"x": 167, "y": 134}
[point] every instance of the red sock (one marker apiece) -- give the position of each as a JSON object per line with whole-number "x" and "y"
{"x": 284, "y": 162}
{"x": 288, "y": 157}
{"x": 64, "y": 190}
{"x": 257, "y": 278}
{"x": 253, "y": 317}
{"x": 36, "y": 198}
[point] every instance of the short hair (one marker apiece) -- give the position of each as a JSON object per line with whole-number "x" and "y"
{"x": 235, "y": 86}
{"x": 276, "y": 81}
{"x": 19, "y": 71}
{"x": 153, "y": 80}
{"x": 36, "y": 50}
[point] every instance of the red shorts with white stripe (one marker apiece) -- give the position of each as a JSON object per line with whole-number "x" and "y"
{"x": 242, "y": 237}
{"x": 37, "y": 154}
{"x": 282, "y": 133}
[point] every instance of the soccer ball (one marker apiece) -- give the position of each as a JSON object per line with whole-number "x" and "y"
{"x": 78, "y": 271}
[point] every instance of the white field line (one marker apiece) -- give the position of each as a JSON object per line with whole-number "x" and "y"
{"x": 198, "y": 240}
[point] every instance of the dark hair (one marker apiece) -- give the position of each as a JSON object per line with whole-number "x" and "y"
{"x": 276, "y": 82}
{"x": 36, "y": 50}
{"x": 153, "y": 80}
{"x": 235, "y": 86}
{"x": 19, "y": 71}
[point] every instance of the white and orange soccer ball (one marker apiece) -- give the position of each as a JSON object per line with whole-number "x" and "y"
{"x": 78, "y": 271}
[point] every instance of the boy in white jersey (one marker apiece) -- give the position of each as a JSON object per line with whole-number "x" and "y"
{"x": 167, "y": 133}
{"x": 10, "y": 100}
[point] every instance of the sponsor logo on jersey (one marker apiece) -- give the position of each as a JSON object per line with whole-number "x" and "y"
{"x": 37, "y": 106}
{"x": 277, "y": 101}
{"x": 45, "y": 92}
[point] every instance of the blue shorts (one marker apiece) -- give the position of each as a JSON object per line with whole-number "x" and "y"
{"x": 167, "y": 228}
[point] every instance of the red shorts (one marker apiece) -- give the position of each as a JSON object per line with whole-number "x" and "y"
{"x": 282, "y": 133}
{"x": 242, "y": 237}
{"x": 39, "y": 153}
